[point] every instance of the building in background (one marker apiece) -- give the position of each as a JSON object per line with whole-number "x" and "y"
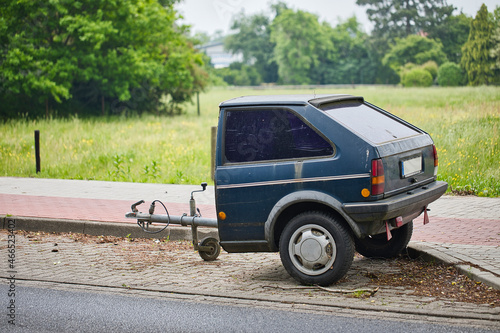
{"x": 220, "y": 58}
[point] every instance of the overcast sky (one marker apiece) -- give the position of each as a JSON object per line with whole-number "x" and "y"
{"x": 212, "y": 15}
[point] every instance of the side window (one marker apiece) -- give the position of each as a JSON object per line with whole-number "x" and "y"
{"x": 270, "y": 134}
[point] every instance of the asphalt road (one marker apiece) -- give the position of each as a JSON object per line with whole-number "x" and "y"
{"x": 42, "y": 309}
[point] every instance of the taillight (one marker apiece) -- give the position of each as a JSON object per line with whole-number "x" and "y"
{"x": 378, "y": 177}
{"x": 436, "y": 163}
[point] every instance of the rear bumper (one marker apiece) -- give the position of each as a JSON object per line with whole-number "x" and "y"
{"x": 406, "y": 204}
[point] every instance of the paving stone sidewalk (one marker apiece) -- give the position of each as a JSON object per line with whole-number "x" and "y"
{"x": 464, "y": 231}
{"x": 243, "y": 278}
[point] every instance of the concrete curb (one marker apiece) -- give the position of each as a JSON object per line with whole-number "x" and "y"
{"x": 96, "y": 228}
{"x": 420, "y": 250}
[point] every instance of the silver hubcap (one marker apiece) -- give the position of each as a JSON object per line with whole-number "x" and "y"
{"x": 312, "y": 249}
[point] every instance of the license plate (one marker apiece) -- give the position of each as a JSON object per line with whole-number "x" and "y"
{"x": 411, "y": 167}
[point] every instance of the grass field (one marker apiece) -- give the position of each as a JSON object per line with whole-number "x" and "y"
{"x": 464, "y": 123}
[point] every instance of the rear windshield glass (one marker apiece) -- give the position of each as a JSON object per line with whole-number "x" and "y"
{"x": 368, "y": 122}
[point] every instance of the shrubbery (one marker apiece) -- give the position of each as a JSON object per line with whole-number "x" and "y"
{"x": 432, "y": 68}
{"x": 450, "y": 75}
{"x": 239, "y": 74}
{"x": 417, "y": 77}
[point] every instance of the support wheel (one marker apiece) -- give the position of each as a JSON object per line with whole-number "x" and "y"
{"x": 315, "y": 248}
{"x": 377, "y": 246}
{"x": 213, "y": 250}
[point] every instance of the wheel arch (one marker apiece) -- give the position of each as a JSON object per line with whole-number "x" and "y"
{"x": 298, "y": 202}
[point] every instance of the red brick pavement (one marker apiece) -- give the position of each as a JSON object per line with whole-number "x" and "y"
{"x": 439, "y": 230}
{"x": 457, "y": 231}
{"x": 84, "y": 209}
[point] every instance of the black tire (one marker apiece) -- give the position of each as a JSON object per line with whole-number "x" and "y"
{"x": 215, "y": 249}
{"x": 377, "y": 246}
{"x": 316, "y": 249}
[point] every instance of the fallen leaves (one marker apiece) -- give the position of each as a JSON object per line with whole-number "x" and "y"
{"x": 439, "y": 281}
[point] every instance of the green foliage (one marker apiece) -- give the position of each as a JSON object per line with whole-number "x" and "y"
{"x": 432, "y": 67}
{"x": 415, "y": 49}
{"x": 402, "y": 18}
{"x": 350, "y": 61}
{"x": 302, "y": 45}
{"x": 476, "y": 51}
{"x": 294, "y": 47}
{"x": 450, "y": 75}
{"x": 83, "y": 54}
{"x": 239, "y": 74}
{"x": 253, "y": 40}
{"x": 453, "y": 33}
{"x": 495, "y": 50}
{"x": 417, "y": 77}
{"x": 354, "y": 62}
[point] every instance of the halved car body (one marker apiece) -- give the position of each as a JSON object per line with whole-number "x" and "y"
{"x": 279, "y": 156}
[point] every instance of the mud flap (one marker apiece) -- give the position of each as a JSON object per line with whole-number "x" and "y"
{"x": 387, "y": 231}
{"x": 426, "y": 216}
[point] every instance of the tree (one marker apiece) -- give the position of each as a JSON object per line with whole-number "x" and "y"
{"x": 476, "y": 59}
{"x": 495, "y": 49}
{"x": 302, "y": 44}
{"x": 354, "y": 62}
{"x": 414, "y": 49}
{"x": 83, "y": 54}
{"x": 253, "y": 40}
{"x": 453, "y": 33}
{"x": 401, "y": 18}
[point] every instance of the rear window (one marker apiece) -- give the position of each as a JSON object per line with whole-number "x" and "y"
{"x": 368, "y": 122}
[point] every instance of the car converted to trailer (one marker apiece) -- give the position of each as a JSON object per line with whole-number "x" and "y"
{"x": 317, "y": 177}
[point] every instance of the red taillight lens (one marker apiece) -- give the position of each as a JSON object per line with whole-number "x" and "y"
{"x": 435, "y": 152}
{"x": 378, "y": 177}
{"x": 436, "y": 163}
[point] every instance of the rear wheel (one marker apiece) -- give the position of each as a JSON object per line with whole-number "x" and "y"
{"x": 315, "y": 248}
{"x": 377, "y": 246}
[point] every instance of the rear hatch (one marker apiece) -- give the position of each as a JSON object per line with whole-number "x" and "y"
{"x": 406, "y": 155}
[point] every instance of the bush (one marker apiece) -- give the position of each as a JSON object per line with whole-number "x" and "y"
{"x": 432, "y": 68}
{"x": 239, "y": 74}
{"x": 450, "y": 75}
{"x": 417, "y": 77}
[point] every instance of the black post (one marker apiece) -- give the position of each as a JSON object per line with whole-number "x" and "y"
{"x": 37, "y": 150}
{"x": 198, "y": 102}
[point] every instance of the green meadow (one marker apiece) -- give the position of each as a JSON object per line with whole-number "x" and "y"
{"x": 464, "y": 123}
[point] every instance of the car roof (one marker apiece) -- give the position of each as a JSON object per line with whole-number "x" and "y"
{"x": 316, "y": 100}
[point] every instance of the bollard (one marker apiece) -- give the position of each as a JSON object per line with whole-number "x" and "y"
{"x": 37, "y": 150}
{"x": 198, "y": 102}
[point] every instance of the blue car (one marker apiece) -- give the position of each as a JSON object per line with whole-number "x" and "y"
{"x": 317, "y": 177}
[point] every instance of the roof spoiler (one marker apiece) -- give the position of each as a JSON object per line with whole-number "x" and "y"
{"x": 318, "y": 102}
